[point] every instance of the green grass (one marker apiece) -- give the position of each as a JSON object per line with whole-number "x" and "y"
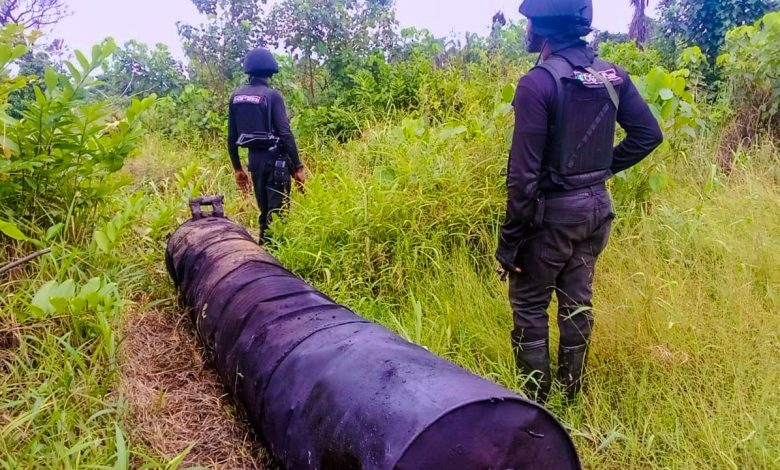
{"x": 401, "y": 227}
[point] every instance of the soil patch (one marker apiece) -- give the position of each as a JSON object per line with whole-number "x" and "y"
{"x": 176, "y": 401}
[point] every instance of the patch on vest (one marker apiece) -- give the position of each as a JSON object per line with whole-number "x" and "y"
{"x": 251, "y": 99}
{"x": 591, "y": 81}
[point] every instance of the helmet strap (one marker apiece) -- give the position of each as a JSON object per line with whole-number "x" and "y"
{"x": 541, "y": 53}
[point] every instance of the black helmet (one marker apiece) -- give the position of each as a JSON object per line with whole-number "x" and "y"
{"x": 559, "y": 17}
{"x": 260, "y": 62}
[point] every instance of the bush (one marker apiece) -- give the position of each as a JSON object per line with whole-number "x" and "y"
{"x": 58, "y": 155}
{"x": 751, "y": 67}
{"x": 627, "y": 55}
{"x": 196, "y": 115}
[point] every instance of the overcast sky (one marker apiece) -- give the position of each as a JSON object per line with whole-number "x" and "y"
{"x": 154, "y": 21}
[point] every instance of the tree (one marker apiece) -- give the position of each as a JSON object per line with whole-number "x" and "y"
{"x": 216, "y": 48}
{"x": 639, "y": 31}
{"x": 33, "y": 14}
{"x": 137, "y": 70}
{"x": 332, "y": 32}
{"x": 704, "y": 22}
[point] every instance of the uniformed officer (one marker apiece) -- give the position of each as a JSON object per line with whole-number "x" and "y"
{"x": 559, "y": 213}
{"x": 257, "y": 120}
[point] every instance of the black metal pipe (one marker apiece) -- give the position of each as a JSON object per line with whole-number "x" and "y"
{"x": 327, "y": 389}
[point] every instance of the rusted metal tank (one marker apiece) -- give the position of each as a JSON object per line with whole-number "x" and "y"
{"x": 327, "y": 389}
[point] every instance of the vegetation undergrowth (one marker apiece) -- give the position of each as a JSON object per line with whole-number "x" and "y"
{"x": 399, "y": 222}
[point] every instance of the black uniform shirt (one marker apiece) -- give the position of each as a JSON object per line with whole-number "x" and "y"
{"x": 246, "y": 119}
{"x": 535, "y": 106}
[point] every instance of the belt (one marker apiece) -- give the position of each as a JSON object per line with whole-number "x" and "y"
{"x": 597, "y": 188}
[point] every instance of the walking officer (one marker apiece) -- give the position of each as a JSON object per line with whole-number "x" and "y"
{"x": 257, "y": 120}
{"x": 559, "y": 213}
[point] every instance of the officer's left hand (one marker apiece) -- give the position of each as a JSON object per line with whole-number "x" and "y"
{"x": 504, "y": 271}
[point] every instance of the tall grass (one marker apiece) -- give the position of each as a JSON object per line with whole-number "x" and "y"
{"x": 401, "y": 225}
{"x": 683, "y": 370}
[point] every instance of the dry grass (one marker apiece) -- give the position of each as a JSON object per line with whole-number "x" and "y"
{"x": 175, "y": 401}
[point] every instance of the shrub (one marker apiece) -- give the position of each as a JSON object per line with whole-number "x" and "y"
{"x": 58, "y": 154}
{"x": 627, "y": 55}
{"x": 195, "y": 115}
{"x": 751, "y": 66}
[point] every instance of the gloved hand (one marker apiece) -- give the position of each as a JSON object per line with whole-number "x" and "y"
{"x": 506, "y": 266}
{"x": 504, "y": 271}
{"x": 242, "y": 179}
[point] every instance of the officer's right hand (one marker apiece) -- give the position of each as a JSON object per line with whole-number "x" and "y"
{"x": 242, "y": 179}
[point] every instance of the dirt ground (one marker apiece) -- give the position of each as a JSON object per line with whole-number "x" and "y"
{"x": 176, "y": 401}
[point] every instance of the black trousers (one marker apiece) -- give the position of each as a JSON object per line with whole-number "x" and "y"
{"x": 272, "y": 189}
{"x": 561, "y": 257}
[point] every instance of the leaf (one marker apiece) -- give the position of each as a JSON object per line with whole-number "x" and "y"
{"x": 74, "y": 72}
{"x": 102, "y": 241}
{"x": 41, "y": 299}
{"x": 122, "y": 451}
{"x": 60, "y": 304}
{"x": 666, "y": 94}
{"x": 450, "y": 131}
{"x": 508, "y": 93}
{"x": 54, "y": 231}
{"x": 111, "y": 232}
{"x": 10, "y": 229}
{"x": 50, "y": 78}
{"x": 657, "y": 181}
{"x": 83, "y": 61}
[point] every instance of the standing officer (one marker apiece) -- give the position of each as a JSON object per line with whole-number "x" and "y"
{"x": 559, "y": 213}
{"x": 257, "y": 120}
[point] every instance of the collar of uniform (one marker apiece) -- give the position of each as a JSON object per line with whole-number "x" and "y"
{"x": 254, "y": 81}
{"x": 578, "y": 55}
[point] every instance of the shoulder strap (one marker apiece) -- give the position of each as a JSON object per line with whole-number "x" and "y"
{"x": 610, "y": 88}
{"x": 268, "y": 104}
{"x": 558, "y": 67}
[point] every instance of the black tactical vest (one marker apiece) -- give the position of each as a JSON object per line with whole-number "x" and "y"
{"x": 580, "y": 146}
{"x": 252, "y": 107}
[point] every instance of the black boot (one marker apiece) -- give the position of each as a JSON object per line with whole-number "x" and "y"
{"x": 571, "y": 368}
{"x": 533, "y": 360}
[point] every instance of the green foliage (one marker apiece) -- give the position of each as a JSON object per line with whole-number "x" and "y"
{"x": 671, "y": 101}
{"x": 136, "y": 70}
{"x": 673, "y": 104}
{"x": 335, "y": 34}
{"x": 636, "y": 61}
{"x": 194, "y": 115}
{"x": 216, "y": 48}
{"x": 704, "y": 23}
{"x": 59, "y": 153}
{"x": 751, "y": 68}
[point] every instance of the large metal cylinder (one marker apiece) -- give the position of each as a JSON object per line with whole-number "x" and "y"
{"x": 327, "y": 389}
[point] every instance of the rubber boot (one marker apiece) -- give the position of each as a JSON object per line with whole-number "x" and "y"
{"x": 533, "y": 360}
{"x": 571, "y": 368}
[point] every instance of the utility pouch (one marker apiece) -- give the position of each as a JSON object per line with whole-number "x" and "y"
{"x": 539, "y": 212}
{"x": 281, "y": 173}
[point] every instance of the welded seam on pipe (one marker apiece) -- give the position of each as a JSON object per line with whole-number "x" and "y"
{"x": 303, "y": 311}
{"x": 296, "y": 346}
{"x": 210, "y": 289}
